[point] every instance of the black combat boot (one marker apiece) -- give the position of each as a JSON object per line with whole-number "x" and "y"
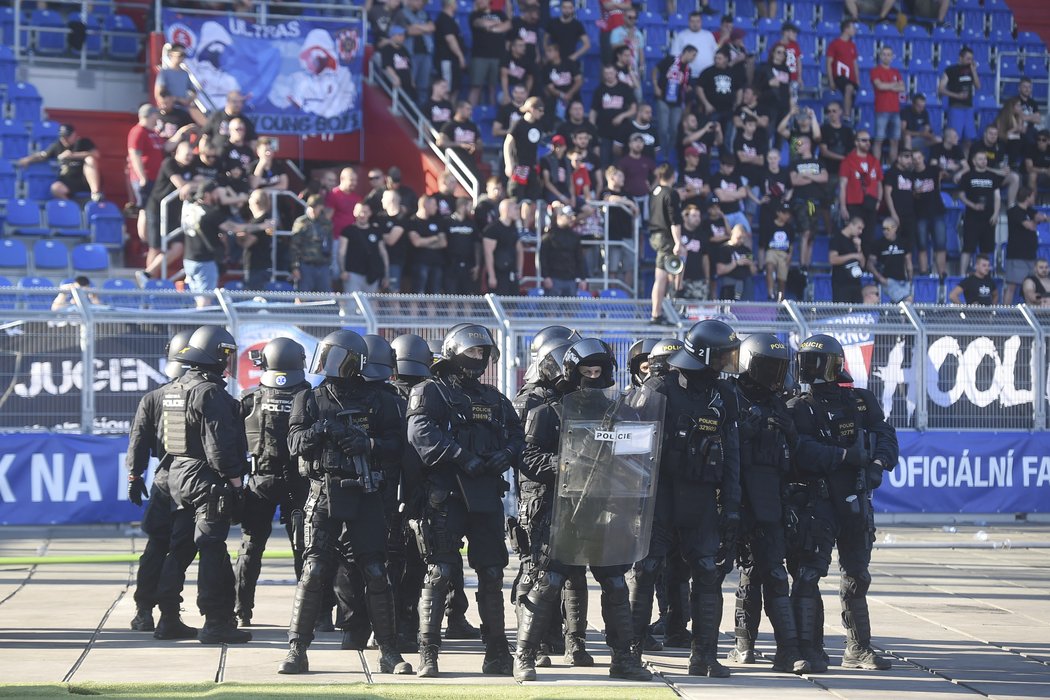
{"x": 706, "y": 611}
{"x": 295, "y": 661}
{"x": 219, "y": 630}
{"x": 574, "y": 599}
{"x": 428, "y": 661}
{"x": 626, "y": 665}
{"x": 788, "y": 658}
{"x": 431, "y": 612}
{"x": 746, "y": 618}
{"x": 458, "y": 627}
{"x": 806, "y": 624}
{"x": 676, "y": 636}
{"x": 857, "y": 621}
{"x": 391, "y": 661}
{"x": 619, "y": 630}
{"x": 497, "y": 652}
{"x": 244, "y": 619}
{"x": 171, "y": 626}
{"x": 525, "y": 663}
{"x": 324, "y": 622}
{"x": 143, "y": 620}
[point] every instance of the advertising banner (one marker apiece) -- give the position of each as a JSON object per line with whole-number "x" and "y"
{"x": 301, "y": 76}
{"x": 67, "y": 479}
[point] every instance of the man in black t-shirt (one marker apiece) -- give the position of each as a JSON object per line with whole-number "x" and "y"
{"x": 695, "y": 280}
{"x": 665, "y": 234}
{"x": 948, "y": 154}
{"x": 735, "y": 267}
{"x": 568, "y": 33}
{"x": 729, "y": 187}
{"x": 899, "y": 195}
{"x": 450, "y": 55}
{"x": 438, "y": 109}
{"x": 526, "y": 26}
{"x": 488, "y": 29}
{"x": 978, "y": 288}
{"x": 1030, "y": 115}
{"x": 1037, "y": 162}
{"x": 503, "y": 251}
{"x": 777, "y": 241}
{"x": 516, "y": 68}
{"x": 958, "y": 83}
{"x": 363, "y": 260}
{"x": 1022, "y": 242}
{"x": 915, "y": 124}
{"x": 171, "y": 118}
{"x": 930, "y": 211}
{"x": 205, "y": 224}
{"x": 750, "y": 152}
{"x": 218, "y": 125}
{"x": 560, "y": 80}
{"x": 980, "y": 195}
{"x": 643, "y": 126}
{"x": 77, "y": 158}
{"x": 520, "y": 151}
{"x": 257, "y": 242}
{"x": 462, "y": 135}
{"x": 463, "y": 255}
{"x": 693, "y": 181}
{"x": 847, "y": 263}
{"x": 808, "y": 180}
{"x": 612, "y": 105}
{"x": 392, "y": 222}
{"x": 717, "y": 90}
{"x": 991, "y": 145}
{"x": 890, "y": 264}
{"x": 397, "y": 62}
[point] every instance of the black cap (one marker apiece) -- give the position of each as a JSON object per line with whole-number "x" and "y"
{"x": 713, "y": 201}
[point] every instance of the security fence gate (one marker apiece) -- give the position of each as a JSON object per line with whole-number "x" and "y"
{"x": 83, "y": 369}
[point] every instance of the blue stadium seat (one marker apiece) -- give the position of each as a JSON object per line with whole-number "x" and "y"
{"x": 7, "y": 27}
{"x": 1001, "y": 19}
{"x": 1035, "y": 66}
{"x": 133, "y": 301}
{"x": 821, "y": 287}
{"x": 105, "y": 222}
{"x": 987, "y": 108}
{"x": 614, "y": 293}
{"x": 7, "y": 179}
{"x": 14, "y": 139}
{"x": 972, "y": 19}
{"x": 49, "y": 30}
{"x": 44, "y": 133}
{"x": 887, "y": 35}
{"x": 926, "y": 83}
{"x": 828, "y": 30}
{"x": 63, "y": 216}
{"x": 1031, "y": 43}
{"x": 96, "y": 26}
{"x": 38, "y": 178}
{"x": 8, "y": 63}
{"x": 36, "y": 302}
{"x": 13, "y": 254}
{"x": 921, "y": 51}
{"x": 821, "y": 247}
{"x": 279, "y": 286}
{"x": 1009, "y": 67}
{"x": 8, "y": 302}
{"x": 535, "y": 292}
{"x": 26, "y": 102}
{"x": 805, "y": 14}
{"x": 89, "y": 257}
{"x": 925, "y": 290}
{"x": 233, "y": 286}
{"x": 23, "y": 218}
{"x": 123, "y": 37}
{"x": 50, "y": 255}
{"x": 167, "y": 301}
{"x": 807, "y": 41}
{"x": 950, "y": 282}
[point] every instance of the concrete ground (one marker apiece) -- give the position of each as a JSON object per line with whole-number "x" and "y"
{"x": 963, "y": 614}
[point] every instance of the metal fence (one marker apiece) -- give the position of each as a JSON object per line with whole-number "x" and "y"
{"x": 83, "y": 369}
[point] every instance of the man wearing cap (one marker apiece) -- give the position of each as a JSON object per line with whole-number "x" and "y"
{"x": 419, "y": 37}
{"x": 205, "y": 223}
{"x": 311, "y": 248}
{"x": 557, "y": 174}
{"x": 561, "y": 256}
{"x": 77, "y": 164}
{"x": 792, "y": 50}
{"x": 397, "y": 62}
{"x": 145, "y": 155}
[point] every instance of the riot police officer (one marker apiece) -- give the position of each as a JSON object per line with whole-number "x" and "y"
{"x": 275, "y": 480}
{"x": 638, "y": 360}
{"x": 468, "y": 436}
{"x": 698, "y": 494}
{"x": 169, "y": 531}
{"x": 587, "y": 364}
{"x": 845, "y": 445}
{"x": 536, "y": 390}
{"x": 204, "y": 434}
{"x": 660, "y": 354}
{"x": 343, "y": 432}
{"x": 767, "y": 439}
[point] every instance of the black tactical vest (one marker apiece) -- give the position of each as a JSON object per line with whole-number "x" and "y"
{"x": 267, "y": 429}
{"x": 181, "y": 437}
{"x": 697, "y": 420}
{"x": 360, "y": 410}
{"x": 838, "y": 418}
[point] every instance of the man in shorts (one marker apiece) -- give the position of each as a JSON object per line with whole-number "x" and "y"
{"x": 665, "y": 235}
{"x": 78, "y": 171}
{"x": 958, "y": 83}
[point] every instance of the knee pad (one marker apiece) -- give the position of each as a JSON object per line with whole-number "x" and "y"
{"x": 315, "y": 572}
{"x": 705, "y": 573}
{"x": 613, "y": 585}
{"x": 855, "y": 586}
{"x": 807, "y": 582}
{"x": 576, "y": 582}
{"x": 776, "y": 581}
{"x": 438, "y": 576}
{"x": 490, "y": 578}
{"x": 649, "y": 567}
{"x": 374, "y": 573}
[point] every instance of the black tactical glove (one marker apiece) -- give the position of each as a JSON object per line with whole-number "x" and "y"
{"x": 786, "y": 426}
{"x": 353, "y": 443}
{"x": 498, "y": 463}
{"x": 136, "y": 489}
{"x": 317, "y": 431}
{"x": 874, "y": 475}
{"x": 730, "y": 528}
{"x": 236, "y": 496}
{"x": 855, "y": 457}
{"x": 470, "y": 463}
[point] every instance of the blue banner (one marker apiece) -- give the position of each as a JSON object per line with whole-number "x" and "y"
{"x": 66, "y": 479}
{"x": 301, "y": 76}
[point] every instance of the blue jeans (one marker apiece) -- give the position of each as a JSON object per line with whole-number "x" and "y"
{"x": 315, "y": 278}
{"x": 932, "y": 226}
{"x": 396, "y": 269}
{"x": 428, "y": 279}
{"x": 422, "y": 66}
{"x": 738, "y": 217}
{"x": 562, "y": 288}
{"x": 667, "y": 118}
{"x": 201, "y": 276}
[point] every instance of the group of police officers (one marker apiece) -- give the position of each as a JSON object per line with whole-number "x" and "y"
{"x": 712, "y": 459}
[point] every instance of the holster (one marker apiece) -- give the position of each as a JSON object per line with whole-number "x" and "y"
{"x": 344, "y": 502}
{"x": 518, "y": 536}
{"x": 419, "y": 535}
{"x": 298, "y": 529}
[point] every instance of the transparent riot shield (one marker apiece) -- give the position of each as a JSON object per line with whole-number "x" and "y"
{"x": 608, "y": 463}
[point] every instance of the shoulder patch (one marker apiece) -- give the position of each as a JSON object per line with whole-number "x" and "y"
{"x": 415, "y": 399}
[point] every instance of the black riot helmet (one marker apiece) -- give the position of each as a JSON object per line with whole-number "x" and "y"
{"x": 341, "y": 355}
{"x": 413, "y": 355}
{"x": 381, "y": 361}
{"x": 590, "y": 352}
{"x": 548, "y": 334}
{"x": 822, "y": 361}
{"x": 660, "y": 354}
{"x": 283, "y": 362}
{"x": 550, "y": 362}
{"x": 764, "y": 361}
{"x": 470, "y": 349}
{"x": 175, "y": 367}
{"x": 638, "y": 354}
{"x": 435, "y": 351}
{"x": 209, "y": 348}
{"x": 709, "y": 345}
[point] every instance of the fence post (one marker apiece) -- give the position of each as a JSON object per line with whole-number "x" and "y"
{"x": 796, "y": 316}
{"x": 87, "y": 361}
{"x": 232, "y": 322}
{"x": 1038, "y": 368}
{"x": 504, "y": 340}
{"x": 371, "y": 322}
{"x": 918, "y": 366}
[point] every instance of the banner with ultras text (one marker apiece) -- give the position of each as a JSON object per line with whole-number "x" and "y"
{"x": 51, "y": 478}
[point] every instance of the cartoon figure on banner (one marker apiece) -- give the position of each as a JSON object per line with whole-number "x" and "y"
{"x": 324, "y": 86}
{"x": 209, "y": 61}
{"x": 254, "y": 336}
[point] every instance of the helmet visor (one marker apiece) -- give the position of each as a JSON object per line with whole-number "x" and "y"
{"x": 815, "y": 367}
{"x": 726, "y": 360}
{"x": 335, "y": 361}
{"x": 768, "y": 372}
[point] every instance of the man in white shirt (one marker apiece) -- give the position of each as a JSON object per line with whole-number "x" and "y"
{"x": 703, "y": 40}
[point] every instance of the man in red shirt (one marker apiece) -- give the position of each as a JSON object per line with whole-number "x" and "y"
{"x": 793, "y": 59}
{"x": 842, "y": 65}
{"x": 341, "y": 202}
{"x": 889, "y": 87}
{"x": 145, "y": 154}
{"x": 860, "y": 186}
